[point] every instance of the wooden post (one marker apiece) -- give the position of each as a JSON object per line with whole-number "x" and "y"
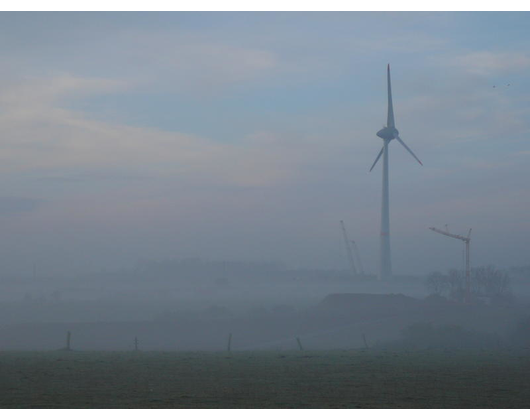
{"x": 468, "y": 294}
{"x": 365, "y": 343}
{"x": 229, "y": 346}
{"x": 299, "y": 344}
{"x": 135, "y": 343}
{"x": 68, "y": 337}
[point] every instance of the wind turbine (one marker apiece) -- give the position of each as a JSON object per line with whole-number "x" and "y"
{"x": 388, "y": 134}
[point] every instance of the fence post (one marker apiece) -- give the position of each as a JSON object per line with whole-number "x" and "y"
{"x": 68, "y": 337}
{"x": 299, "y": 344}
{"x": 365, "y": 343}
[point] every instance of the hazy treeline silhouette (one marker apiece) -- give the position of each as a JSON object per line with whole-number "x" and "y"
{"x": 484, "y": 282}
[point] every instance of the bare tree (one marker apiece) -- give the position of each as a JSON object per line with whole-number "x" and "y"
{"x": 437, "y": 283}
{"x": 485, "y": 281}
{"x": 491, "y": 282}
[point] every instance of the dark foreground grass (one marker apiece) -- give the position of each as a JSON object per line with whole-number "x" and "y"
{"x": 327, "y": 379}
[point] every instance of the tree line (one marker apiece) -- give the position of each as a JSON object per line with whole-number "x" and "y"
{"x": 484, "y": 282}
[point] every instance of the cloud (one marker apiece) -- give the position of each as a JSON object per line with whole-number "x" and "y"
{"x": 174, "y": 60}
{"x": 487, "y": 63}
{"x": 42, "y": 92}
{"x": 185, "y": 63}
{"x": 49, "y": 140}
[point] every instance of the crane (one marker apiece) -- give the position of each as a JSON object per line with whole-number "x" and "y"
{"x": 357, "y": 256}
{"x": 466, "y": 240}
{"x": 348, "y": 250}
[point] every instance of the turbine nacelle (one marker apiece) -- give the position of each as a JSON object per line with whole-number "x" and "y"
{"x": 388, "y": 133}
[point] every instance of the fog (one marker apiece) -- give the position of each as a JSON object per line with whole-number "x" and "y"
{"x": 180, "y": 177}
{"x": 195, "y": 304}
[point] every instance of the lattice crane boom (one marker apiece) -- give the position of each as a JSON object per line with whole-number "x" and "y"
{"x": 443, "y": 232}
{"x": 348, "y": 249}
{"x": 357, "y": 256}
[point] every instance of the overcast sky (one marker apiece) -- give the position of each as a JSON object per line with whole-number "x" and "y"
{"x": 249, "y": 136}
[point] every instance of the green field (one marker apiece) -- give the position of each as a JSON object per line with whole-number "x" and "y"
{"x": 330, "y": 379}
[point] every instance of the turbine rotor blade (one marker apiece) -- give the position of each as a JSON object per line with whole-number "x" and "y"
{"x": 377, "y": 158}
{"x": 410, "y": 151}
{"x": 390, "y": 115}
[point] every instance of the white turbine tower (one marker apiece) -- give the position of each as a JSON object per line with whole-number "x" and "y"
{"x": 388, "y": 133}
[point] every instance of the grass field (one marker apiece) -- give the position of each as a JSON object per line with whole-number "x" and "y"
{"x": 327, "y": 379}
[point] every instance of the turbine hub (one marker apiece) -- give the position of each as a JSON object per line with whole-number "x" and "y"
{"x": 388, "y": 133}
